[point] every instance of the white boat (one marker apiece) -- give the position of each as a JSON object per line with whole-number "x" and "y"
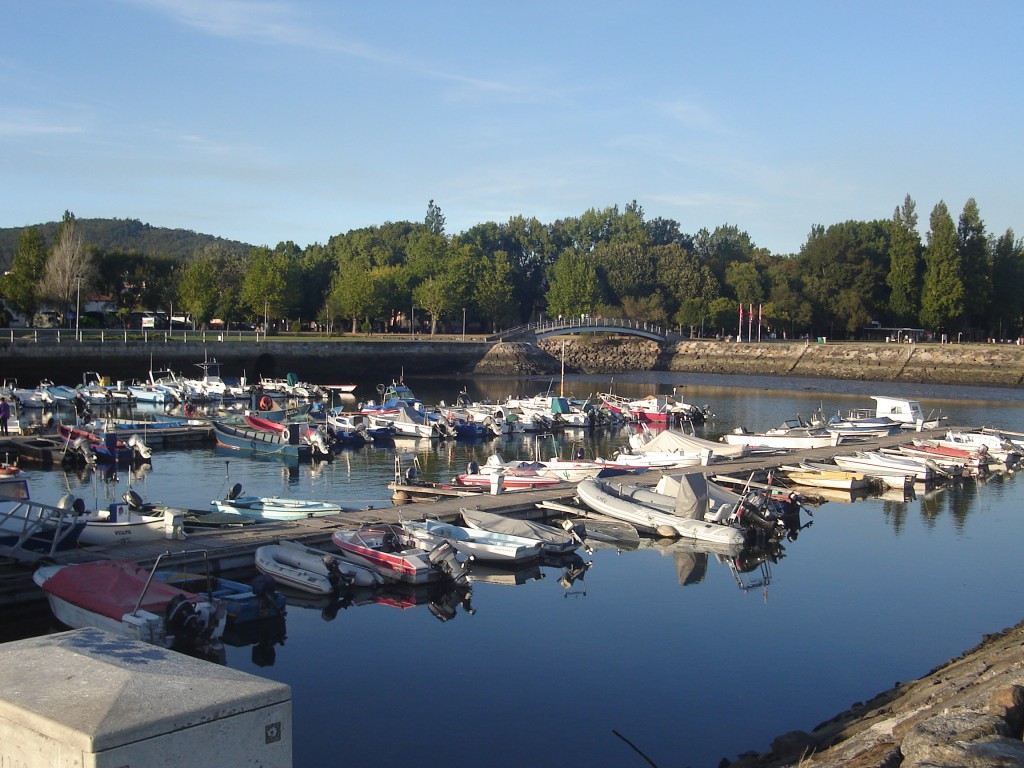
{"x": 312, "y": 570}
{"x": 474, "y": 542}
{"x": 907, "y": 413}
{"x": 996, "y": 446}
{"x": 554, "y": 541}
{"x": 792, "y": 435}
{"x": 124, "y": 524}
{"x": 614, "y": 500}
{"x": 892, "y": 470}
{"x": 393, "y": 551}
{"x": 122, "y": 598}
{"x": 274, "y": 507}
{"x": 837, "y": 479}
{"x": 673, "y": 440}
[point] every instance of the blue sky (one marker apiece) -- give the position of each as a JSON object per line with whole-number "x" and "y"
{"x": 267, "y": 120}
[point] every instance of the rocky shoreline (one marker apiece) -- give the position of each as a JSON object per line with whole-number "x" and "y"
{"x": 967, "y": 713}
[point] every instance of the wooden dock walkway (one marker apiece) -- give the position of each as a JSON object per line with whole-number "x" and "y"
{"x": 233, "y": 549}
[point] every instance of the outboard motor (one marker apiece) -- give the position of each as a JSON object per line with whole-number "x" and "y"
{"x": 443, "y": 558}
{"x": 472, "y": 468}
{"x": 752, "y": 513}
{"x": 85, "y": 452}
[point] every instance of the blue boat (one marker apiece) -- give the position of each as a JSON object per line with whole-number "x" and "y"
{"x": 242, "y": 437}
{"x": 244, "y": 603}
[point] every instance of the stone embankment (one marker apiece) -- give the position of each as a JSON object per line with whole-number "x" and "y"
{"x": 968, "y": 713}
{"x": 997, "y": 365}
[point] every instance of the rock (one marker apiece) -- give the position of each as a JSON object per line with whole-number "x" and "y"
{"x": 793, "y": 745}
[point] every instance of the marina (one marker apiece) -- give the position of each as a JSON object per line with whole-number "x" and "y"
{"x": 689, "y": 597}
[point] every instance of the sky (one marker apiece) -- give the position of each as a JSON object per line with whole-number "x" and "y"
{"x": 267, "y": 121}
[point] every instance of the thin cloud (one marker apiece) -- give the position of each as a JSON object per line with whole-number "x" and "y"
{"x": 28, "y": 125}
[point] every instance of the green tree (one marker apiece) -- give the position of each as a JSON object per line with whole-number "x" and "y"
{"x": 905, "y": 267}
{"x": 942, "y": 293}
{"x": 434, "y": 219}
{"x": 573, "y": 286}
{"x": 435, "y": 295}
{"x": 1008, "y": 284}
{"x": 745, "y": 281}
{"x": 692, "y": 312}
{"x": 20, "y": 285}
{"x": 493, "y": 292}
{"x": 270, "y": 288}
{"x": 976, "y": 267}
{"x": 199, "y": 288}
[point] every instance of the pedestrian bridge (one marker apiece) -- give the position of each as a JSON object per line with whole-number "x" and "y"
{"x": 586, "y": 324}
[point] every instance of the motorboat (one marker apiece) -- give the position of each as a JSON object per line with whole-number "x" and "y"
{"x": 393, "y": 551}
{"x": 792, "y": 435}
{"x": 124, "y": 599}
{"x": 244, "y": 602}
{"x": 554, "y": 541}
{"x": 671, "y": 440}
{"x": 617, "y": 500}
{"x": 836, "y": 479}
{"x": 996, "y": 446}
{"x": 316, "y": 571}
{"x": 130, "y": 522}
{"x": 973, "y": 459}
{"x": 273, "y": 507}
{"x": 107, "y": 446}
{"x": 892, "y": 470}
{"x": 243, "y": 437}
{"x": 475, "y": 542}
{"x": 499, "y": 476}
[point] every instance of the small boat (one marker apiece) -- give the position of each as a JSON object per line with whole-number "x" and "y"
{"x": 498, "y": 476}
{"x": 128, "y": 523}
{"x": 554, "y": 541}
{"x": 392, "y": 550}
{"x": 792, "y": 435}
{"x": 616, "y": 500}
{"x": 244, "y": 602}
{"x": 315, "y": 437}
{"x": 46, "y": 452}
{"x": 243, "y": 437}
{"x": 108, "y": 447}
{"x": 474, "y": 542}
{"x": 122, "y": 598}
{"x": 837, "y": 479}
{"x": 313, "y": 570}
{"x": 892, "y": 470}
{"x": 273, "y": 507}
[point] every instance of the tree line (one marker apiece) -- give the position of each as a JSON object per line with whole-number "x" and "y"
{"x": 956, "y": 278}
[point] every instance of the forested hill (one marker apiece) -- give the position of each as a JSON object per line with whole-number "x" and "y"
{"x": 127, "y": 236}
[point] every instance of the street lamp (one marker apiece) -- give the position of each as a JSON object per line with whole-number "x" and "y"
{"x": 78, "y": 305}
{"x": 412, "y": 322}
{"x": 463, "y": 323}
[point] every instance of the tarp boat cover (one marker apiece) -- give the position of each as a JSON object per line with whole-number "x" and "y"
{"x": 111, "y": 588}
{"x": 669, "y": 440}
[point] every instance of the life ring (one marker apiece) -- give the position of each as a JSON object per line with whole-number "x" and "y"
{"x": 266, "y": 403}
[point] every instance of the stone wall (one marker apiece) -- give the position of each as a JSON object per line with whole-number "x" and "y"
{"x": 999, "y": 365}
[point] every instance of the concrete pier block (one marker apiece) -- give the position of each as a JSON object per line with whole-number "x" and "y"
{"x": 88, "y": 699}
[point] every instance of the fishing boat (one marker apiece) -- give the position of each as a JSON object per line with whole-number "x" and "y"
{"x": 313, "y": 570}
{"x": 244, "y": 603}
{"x": 243, "y": 437}
{"x": 474, "y": 542}
{"x": 315, "y": 437}
{"x": 124, "y": 599}
{"x": 129, "y": 523}
{"x": 617, "y": 500}
{"x": 393, "y": 551}
{"x": 553, "y": 541}
{"x": 107, "y": 446}
{"x": 273, "y": 507}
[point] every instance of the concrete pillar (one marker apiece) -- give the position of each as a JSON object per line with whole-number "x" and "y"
{"x": 90, "y": 699}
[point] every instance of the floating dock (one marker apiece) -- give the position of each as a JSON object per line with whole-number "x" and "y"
{"x": 233, "y": 549}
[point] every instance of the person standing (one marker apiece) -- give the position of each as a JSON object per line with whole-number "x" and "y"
{"x": 5, "y": 414}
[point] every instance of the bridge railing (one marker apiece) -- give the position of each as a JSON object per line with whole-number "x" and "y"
{"x": 584, "y": 323}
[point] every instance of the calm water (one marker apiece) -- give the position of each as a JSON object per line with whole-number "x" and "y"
{"x": 685, "y": 656}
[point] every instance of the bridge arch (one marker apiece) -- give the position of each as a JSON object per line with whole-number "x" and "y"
{"x": 585, "y": 324}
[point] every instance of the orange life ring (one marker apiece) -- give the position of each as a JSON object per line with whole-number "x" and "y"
{"x": 266, "y": 403}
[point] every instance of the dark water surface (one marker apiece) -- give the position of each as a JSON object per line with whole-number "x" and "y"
{"x": 685, "y": 656}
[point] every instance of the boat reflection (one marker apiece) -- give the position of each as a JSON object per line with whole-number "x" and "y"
{"x": 263, "y": 635}
{"x": 442, "y": 598}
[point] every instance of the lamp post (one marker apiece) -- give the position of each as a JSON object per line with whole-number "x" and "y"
{"x": 463, "y": 323}
{"x": 78, "y": 305}
{"x": 412, "y": 322}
